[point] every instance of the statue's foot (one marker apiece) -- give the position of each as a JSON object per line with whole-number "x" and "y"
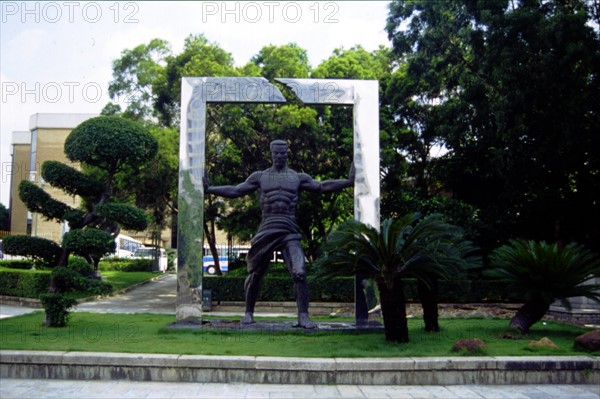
{"x": 248, "y": 319}
{"x": 305, "y": 322}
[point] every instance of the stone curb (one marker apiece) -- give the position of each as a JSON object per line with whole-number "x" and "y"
{"x": 276, "y": 370}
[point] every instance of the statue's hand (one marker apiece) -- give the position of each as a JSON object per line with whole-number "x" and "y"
{"x": 352, "y": 174}
{"x": 206, "y": 183}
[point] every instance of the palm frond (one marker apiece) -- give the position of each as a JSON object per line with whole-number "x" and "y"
{"x": 546, "y": 271}
{"x": 422, "y": 247}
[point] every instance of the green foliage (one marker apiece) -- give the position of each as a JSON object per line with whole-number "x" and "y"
{"x": 37, "y": 248}
{"x": 539, "y": 270}
{"x": 282, "y": 61}
{"x": 126, "y": 265}
{"x": 128, "y": 216}
{"x": 133, "y": 75}
{"x": 198, "y": 58}
{"x": 355, "y": 63}
{"x": 81, "y": 266}
{"x": 425, "y": 248}
{"x": 280, "y": 289}
{"x": 109, "y": 142}
{"x": 37, "y": 200}
{"x": 70, "y": 280}
{"x": 30, "y": 284}
{"x": 57, "y": 308}
{"x": 17, "y": 264}
{"x": 89, "y": 242}
{"x": 511, "y": 89}
{"x": 4, "y": 218}
{"x": 67, "y": 280}
{"x": 70, "y": 180}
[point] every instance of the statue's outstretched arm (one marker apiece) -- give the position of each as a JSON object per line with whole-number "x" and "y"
{"x": 245, "y": 188}
{"x": 328, "y": 186}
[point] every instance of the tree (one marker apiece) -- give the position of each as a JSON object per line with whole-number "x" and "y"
{"x": 134, "y": 74}
{"x": 544, "y": 273}
{"x": 511, "y": 90}
{"x": 282, "y": 61}
{"x": 105, "y": 145}
{"x": 425, "y": 248}
{"x": 153, "y": 70}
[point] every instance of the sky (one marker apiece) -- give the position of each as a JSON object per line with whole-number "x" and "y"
{"x": 56, "y": 57}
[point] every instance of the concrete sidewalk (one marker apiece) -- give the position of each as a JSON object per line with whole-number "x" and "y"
{"x": 68, "y": 389}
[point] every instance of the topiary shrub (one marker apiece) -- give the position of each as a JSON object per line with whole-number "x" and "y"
{"x": 126, "y": 265}
{"x": 56, "y": 306}
{"x": 24, "y": 284}
{"x": 81, "y": 266}
{"x": 17, "y": 264}
{"x": 89, "y": 242}
{"x": 36, "y": 248}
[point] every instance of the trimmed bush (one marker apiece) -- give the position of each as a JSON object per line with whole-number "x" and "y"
{"x": 34, "y": 247}
{"x": 69, "y": 280}
{"x": 17, "y": 264}
{"x": 24, "y": 284}
{"x": 57, "y": 308}
{"x": 280, "y": 288}
{"x": 126, "y": 265}
{"x": 81, "y": 266}
{"x": 89, "y": 241}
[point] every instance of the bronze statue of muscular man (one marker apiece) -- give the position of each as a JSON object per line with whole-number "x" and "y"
{"x": 279, "y": 189}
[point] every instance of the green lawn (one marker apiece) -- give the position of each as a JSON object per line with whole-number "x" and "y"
{"x": 121, "y": 280}
{"x": 147, "y": 333}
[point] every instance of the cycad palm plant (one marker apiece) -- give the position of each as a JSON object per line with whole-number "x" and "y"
{"x": 425, "y": 248}
{"x": 544, "y": 273}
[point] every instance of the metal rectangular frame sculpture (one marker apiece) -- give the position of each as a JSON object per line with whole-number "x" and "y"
{"x": 196, "y": 93}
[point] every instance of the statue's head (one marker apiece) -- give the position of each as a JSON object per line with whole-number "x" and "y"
{"x": 279, "y": 152}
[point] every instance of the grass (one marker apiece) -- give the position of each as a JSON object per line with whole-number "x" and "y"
{"x": 147, "y": 333}
{"x": 121, "y": 280}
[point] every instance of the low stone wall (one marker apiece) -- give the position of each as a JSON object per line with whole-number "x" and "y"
{"x": 250, "y": 369}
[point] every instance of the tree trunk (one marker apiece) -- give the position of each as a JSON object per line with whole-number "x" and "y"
{"x": 393, "y": 309}
{"x": 429, "y": 303}
{"x": 211, "y": 239}
{"x": 529, "y": 314}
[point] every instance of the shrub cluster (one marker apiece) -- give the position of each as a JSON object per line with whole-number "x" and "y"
{"x": 17, "y": 264}
{"x": 24, "y": 284}
{"x": 280, "y": 288}
{"x": 126, "y": 265}
{"x": 68, "y": 280}
{"x": 34, "y": 284}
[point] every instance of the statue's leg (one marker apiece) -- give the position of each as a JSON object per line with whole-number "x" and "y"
{"x": 293, "y": 256}
{"x": 252, "y": 289}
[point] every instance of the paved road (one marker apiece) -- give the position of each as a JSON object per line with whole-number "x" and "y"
{"x": 65, "y": 389}
{"x": 159, "y": 297}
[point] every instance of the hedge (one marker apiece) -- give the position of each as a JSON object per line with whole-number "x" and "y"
{"x": 126, "y": 265}
{"x": 24, "y": 264}
{"x": 341, "y": 289}
{"x": 24, "y": 284}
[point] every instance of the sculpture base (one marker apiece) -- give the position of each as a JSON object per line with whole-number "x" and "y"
{"x": 189, "y": 312}
{"x": 271, "y": 326}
